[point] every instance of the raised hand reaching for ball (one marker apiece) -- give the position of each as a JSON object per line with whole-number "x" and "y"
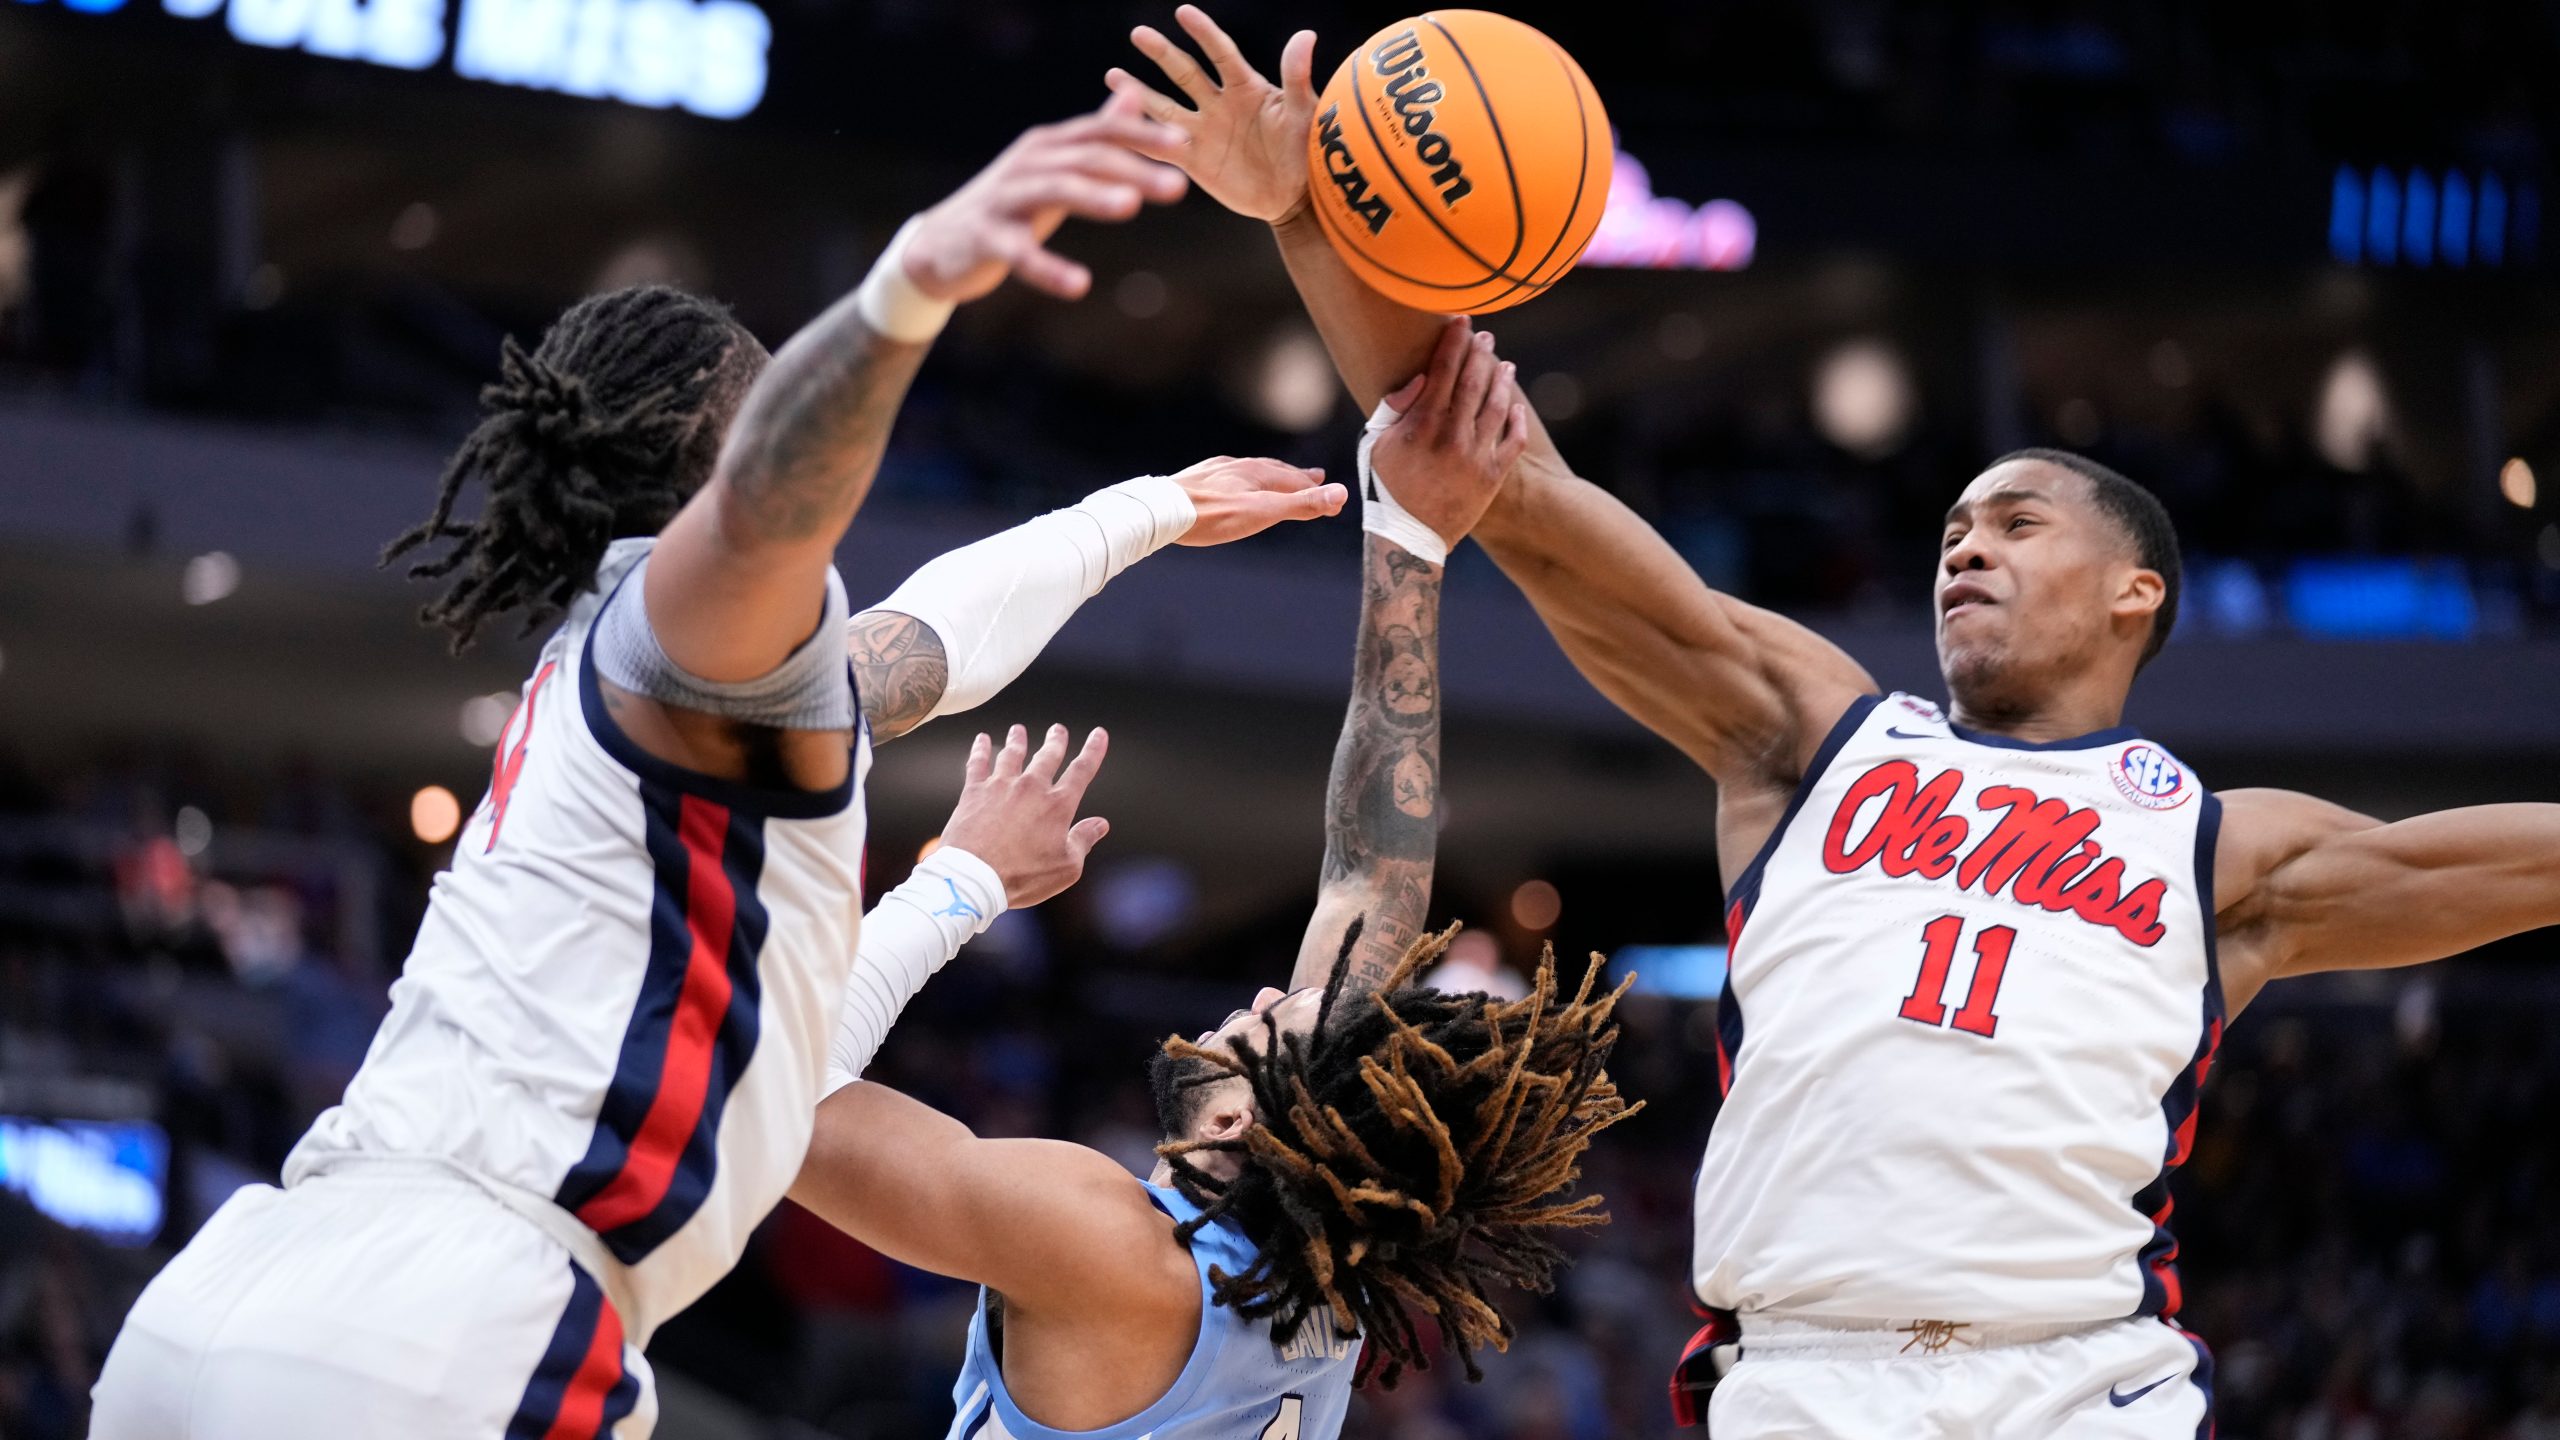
{"x": 1242, "y": 138}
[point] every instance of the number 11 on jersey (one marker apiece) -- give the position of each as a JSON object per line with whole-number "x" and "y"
{"x": 1927, "y": 1001}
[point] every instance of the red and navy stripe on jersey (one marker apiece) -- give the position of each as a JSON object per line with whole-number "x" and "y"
{"x": 654, "y": 1153}
{"x": 2161, "y": 1293}
{"x": 579, "y": 1390}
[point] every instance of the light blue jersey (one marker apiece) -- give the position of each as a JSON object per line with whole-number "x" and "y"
{"x": 1241, "y": 1383}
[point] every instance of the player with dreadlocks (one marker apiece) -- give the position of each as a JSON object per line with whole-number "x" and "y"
{"x": 1357, "y": 1157}
{"x": 604, "y": 1052}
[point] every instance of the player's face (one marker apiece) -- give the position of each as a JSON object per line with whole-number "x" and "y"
{"x": 2028, "y": 569}
{"x": 1226, "y": 1108}
{"x": 1294, "y": 1011}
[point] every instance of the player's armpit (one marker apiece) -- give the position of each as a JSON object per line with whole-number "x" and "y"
{"x": 2304, "y": 886}
{"x": 899, "y": 671}
{"x": 1040, "y": 1221}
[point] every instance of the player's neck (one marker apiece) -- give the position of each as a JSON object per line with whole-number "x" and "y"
{"x": 2061, "y": 715}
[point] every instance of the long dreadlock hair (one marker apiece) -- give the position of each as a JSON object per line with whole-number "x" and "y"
{"x": 1411, "y": 1155}
{"x": 594, "y": 435}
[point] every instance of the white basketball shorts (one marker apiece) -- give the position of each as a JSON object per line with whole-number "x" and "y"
{"x": 367, "y": 1304}
{"x": 2140, "y": 1379}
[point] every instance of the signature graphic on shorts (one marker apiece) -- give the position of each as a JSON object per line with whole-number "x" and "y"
{"x": 2120, "y": 1401}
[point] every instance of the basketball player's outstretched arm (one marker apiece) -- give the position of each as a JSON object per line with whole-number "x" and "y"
{"x": 737, "y": 581}
{"x": 1746, "y": 693}
{"x": 966, "y": 624}
{"x": 2305, "y": 886}
{"x": 1462, "y": 426}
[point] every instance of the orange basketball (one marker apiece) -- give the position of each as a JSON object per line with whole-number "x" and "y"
{"x": 1459, "y": 161}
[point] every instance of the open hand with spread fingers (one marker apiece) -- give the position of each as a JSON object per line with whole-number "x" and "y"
{"x": 1242, "y": 138}
{"x": 1017, "y": 811}
{"x": 999, "y": 223}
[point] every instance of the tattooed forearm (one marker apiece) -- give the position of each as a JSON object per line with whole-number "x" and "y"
{"x": 809, "y": 436}
{"x": 1382, "y": 802}
{"x": 899, "y": 670}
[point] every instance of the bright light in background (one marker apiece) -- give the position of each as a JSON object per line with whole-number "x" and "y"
{"x": 1680, "y": 336}
{"x": 2515, "y": 481}
{"x": 1643, "y": 230}
{"x": 264, "y": 288}
{"x": 484, "y": 717}
{"x": 1536, "y": 905}
{"x": 434, "y": 814}
{"x": 1556, "y": 395}
{"x": 1862, "y": 398}
{"x": 926, "y": 850}
{"x": 2353, "y": 413}
{"x": 1474, "y": 963}
{"x": 1139, "y": 902}
{"x": 415, "y": 229}
{"x": 1140, "y": 294}
{"x": 209, "y": 577}
{"x": 2078, "y": 422}
{"x": 1292, "y": 387}
{"x": 2170, "y": 366}
{"x": 193, "y": 831}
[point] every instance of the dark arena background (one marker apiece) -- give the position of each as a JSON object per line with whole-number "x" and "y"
{"x": 2289, "y": 263}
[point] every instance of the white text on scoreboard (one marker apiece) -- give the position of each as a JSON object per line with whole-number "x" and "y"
{"x": 705, "y": 56}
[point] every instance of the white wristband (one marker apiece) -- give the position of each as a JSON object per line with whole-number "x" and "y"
{"x": 890, "y": 302}
{"x": 1380, "y": 515}
{"x": 907, "y": 938}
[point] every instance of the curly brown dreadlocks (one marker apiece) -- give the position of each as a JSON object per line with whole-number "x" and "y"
{"x": 600, "y": 432}
{"x": 1410, "y": 1155}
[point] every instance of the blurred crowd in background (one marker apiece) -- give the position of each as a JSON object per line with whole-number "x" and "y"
{"x": 2370, "y": 1225}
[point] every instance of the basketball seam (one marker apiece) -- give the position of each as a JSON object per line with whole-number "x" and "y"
{"x": 1493, "y": 119}
{"x": 1581, "y": 182}
{"x": 1500, "y": 273}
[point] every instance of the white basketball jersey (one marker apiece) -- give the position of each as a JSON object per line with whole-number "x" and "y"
{"x": 623, "y": 990}
{"x": 1971, "y": 1002}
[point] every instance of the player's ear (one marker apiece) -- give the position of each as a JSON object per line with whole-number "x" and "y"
{"x": 1228, "y": 1121}
{"x": 2140, "y": 593}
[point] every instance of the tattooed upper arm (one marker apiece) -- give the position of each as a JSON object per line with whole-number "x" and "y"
{"x": 899, "y": 670}
{"x": 1382, "y": 801}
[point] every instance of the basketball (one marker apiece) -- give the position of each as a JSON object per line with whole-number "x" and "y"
{"x": 1459, "y": 161}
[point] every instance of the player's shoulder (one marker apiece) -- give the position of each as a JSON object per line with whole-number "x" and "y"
{"x": 2263, "y": 828}
{"x": 1125, "y": 1251}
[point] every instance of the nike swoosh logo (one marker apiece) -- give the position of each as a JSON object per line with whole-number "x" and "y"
{"x": 2123, "y": 1400}
{"x": 1909, "y": 735}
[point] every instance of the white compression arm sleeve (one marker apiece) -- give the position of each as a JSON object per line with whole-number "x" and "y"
{"x": 997, "y": 603}
{"x": 911, "y": 934}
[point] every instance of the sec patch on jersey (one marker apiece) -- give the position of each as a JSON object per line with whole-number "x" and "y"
{"x": 2151, "y": 777}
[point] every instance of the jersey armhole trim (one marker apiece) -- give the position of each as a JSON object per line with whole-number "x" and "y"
{"x": 2208, "y": 837}
{"x": 1164, "y": 1410}
{"x": 776, "y": 802}
{"x": 1746, "y": 886}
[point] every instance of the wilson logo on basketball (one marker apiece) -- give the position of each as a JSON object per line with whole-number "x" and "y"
{"x": 1344, "y": 172}
{"x": 1411, "y": 92}
{"x": 2042, "y": 852}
